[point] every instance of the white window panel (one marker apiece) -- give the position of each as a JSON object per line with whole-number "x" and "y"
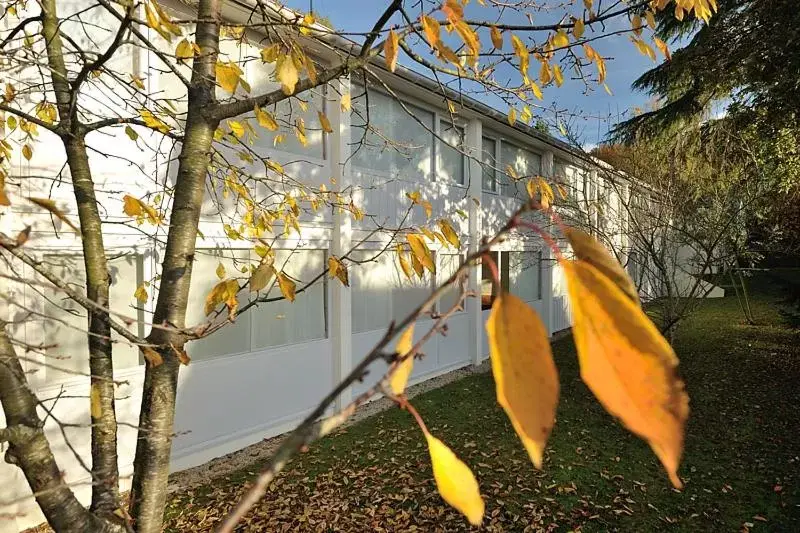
{"x": 451, "y": 161}
{"x": 371, "y": 282}
{"x": 523, "y": 162}
{"x": 489, "y": 160}
{"x": 66, "y": 325}
{"x": 387, "y": 138}
{"x": 284, "y": 322}
{"x": 234, "y": 337}
{"x": 448, "y": 264}
{"x": 525, "y": 274}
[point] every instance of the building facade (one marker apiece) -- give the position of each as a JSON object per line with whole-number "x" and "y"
{"x": 258, "y": 377}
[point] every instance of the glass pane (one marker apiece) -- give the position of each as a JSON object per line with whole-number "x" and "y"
{"x": 284, "y": 322}
{"x": 65, "y": 329}
{"x": 413, "y": 141}
{"x": 369, "y": 144}
{"x": 407, "y": 294}
{"x": 232, "y": 338}
{"x": 371, "y": 290}
{"x": 487, "y": 287}
{"x": 524, "y": 164}
{"x": 489, "y": 164}
{"x": 448, "y": 264}
{"x": 450, "y": 165}
{"x": 305, "y": 106}
{"x": 525, "y": 269}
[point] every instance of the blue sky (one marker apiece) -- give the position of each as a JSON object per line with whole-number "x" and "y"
{"x": 623, "y": 62}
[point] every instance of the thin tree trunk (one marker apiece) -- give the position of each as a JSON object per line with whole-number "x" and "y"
{"x": 105, "y": 474}
{"x": 151, "y": 463}
{"x": 30, "y": 450}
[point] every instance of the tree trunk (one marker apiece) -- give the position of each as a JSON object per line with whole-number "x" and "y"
{"x": 105, "y": 474}
{"x": 151, "y": 463}
{"x": 30, "y": 450}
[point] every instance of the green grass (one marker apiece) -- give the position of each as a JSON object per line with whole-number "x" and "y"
{"x": 741, "y": 466}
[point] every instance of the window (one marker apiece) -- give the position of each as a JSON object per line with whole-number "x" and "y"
{"x": 522, "y": 162}
{"x": 232, "y": 338}
{"x": 304, "y": 106}
{"x": 389, "y": 136}
{"x": 305, "y": 319}
{"x": 525, "y": 274}
{"x": 448, "y": 264}
{"x": 489, "y": 160}
{"x": 520, "y": 274}
{"x": 450, "y": 163}
{"x": 371, "y": 280}
{"x": 634, "y": 267}
{"x": 381, "y": 292}
{"x": 65, "y": 325}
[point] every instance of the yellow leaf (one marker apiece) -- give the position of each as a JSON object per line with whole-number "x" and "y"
{"x": 399, "y": 378}
{"x": 344, "y": 103}
{"x": 261, "y": 276}
{"x": 228, "y": 76}
{"x": 140, "y": 294}
{"x": 224, "y": 291}
{"x": 390, "y": 48}
{"x": 27, "y": 152}
{"x": 270, "y": 53}
{"x": 497, "y": 37}
{"x": 431, "y": 28}
{"x": 560, "y": 39}
{"x": 562, "y": 191}
{"x": 337, "y": 269}
{"x": 455, "y": 481}
{"x": 453, "y": 10}
{"x": 237, "y": 128}
{"x": 416, "y": 264}
{"x": 578, "y": 28}
{"x": 524, "y": 372}
{"x": 96, "y": 407}
{"x": 663, "y": 48}
{"x": 521, "y": 51}
{"x": 587, "y": 249}
{"x": 401, "y": 258}
{"x": 512, "y": 115}
{"x": 651, "y": 19}
{"x": 184, "y": 50}
{"x": 558, "y": 76}
{"x": 627, "y": 364}
{"x": 427, "y": 207}
{"x": 545, "y": 75}
{"x": 265, "y": 119}
{"x": 50, "y": 205}
{"x": 152, "y": 121}
{"x": 287, "y": 286}
{"x": 300, "y": 130}
{"x": 131, "y": 206}
{"x": 220, "y": 271}
{"x": 286, "y": 74}
{"x": 421, "y": 251}
{"x": 537, "y": 92}
{"x": 450, "y": 234}
{"x": 324, "y": 122}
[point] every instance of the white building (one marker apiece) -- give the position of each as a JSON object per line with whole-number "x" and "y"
{"x": 258, "y": 377}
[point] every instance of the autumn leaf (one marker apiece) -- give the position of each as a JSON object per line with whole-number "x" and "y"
{"x": 560, "y": 39}
{"x": 140, "y": 294}
{"x": 265, "y": 119}
{"x": 228, "y": 76}
{"x": 497, "y": 37}
{"x": 220, "y": 271}
{"x": 224, "y": 291}
{"x": 287, "y": 286}
{"x": 286, "y": 73}
{"x": 401, "y": 258}
{"x": 345, "y": 102}
{"x": 455, "y": 481}
{"x": 627, "y": 363}
{"x": 432, "y": 29}
{"x": 50, "y": 205}
{"x": 390, "y": 49}
{"x": 421, "y": 251}
{"x": 324, "y": 122}
{"x": 450, "y": 234}
{"x": 399, "y": 378}
{"x": 524, "y": 372}
{"x": 261, "y": 276}
{"x": 337, "y": 269}
{"x": 588, "y": 249}
{"x": 151, "y": 356}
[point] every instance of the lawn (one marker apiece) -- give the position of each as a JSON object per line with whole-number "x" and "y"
{"x": 741, "y": 468}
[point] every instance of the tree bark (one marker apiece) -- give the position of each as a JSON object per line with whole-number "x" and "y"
{"x": 30, "y": 450}
{"x": 105, "y": 474}
{"x": 151, "y": 463}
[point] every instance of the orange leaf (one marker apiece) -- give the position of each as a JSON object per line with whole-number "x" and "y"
{"x": 524, "y": 372}
{"x": 390, "y": 47}
{"x": 627, "y": 363}
{"x": 587, "y": 249}
{"x": 50, "y": 205}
